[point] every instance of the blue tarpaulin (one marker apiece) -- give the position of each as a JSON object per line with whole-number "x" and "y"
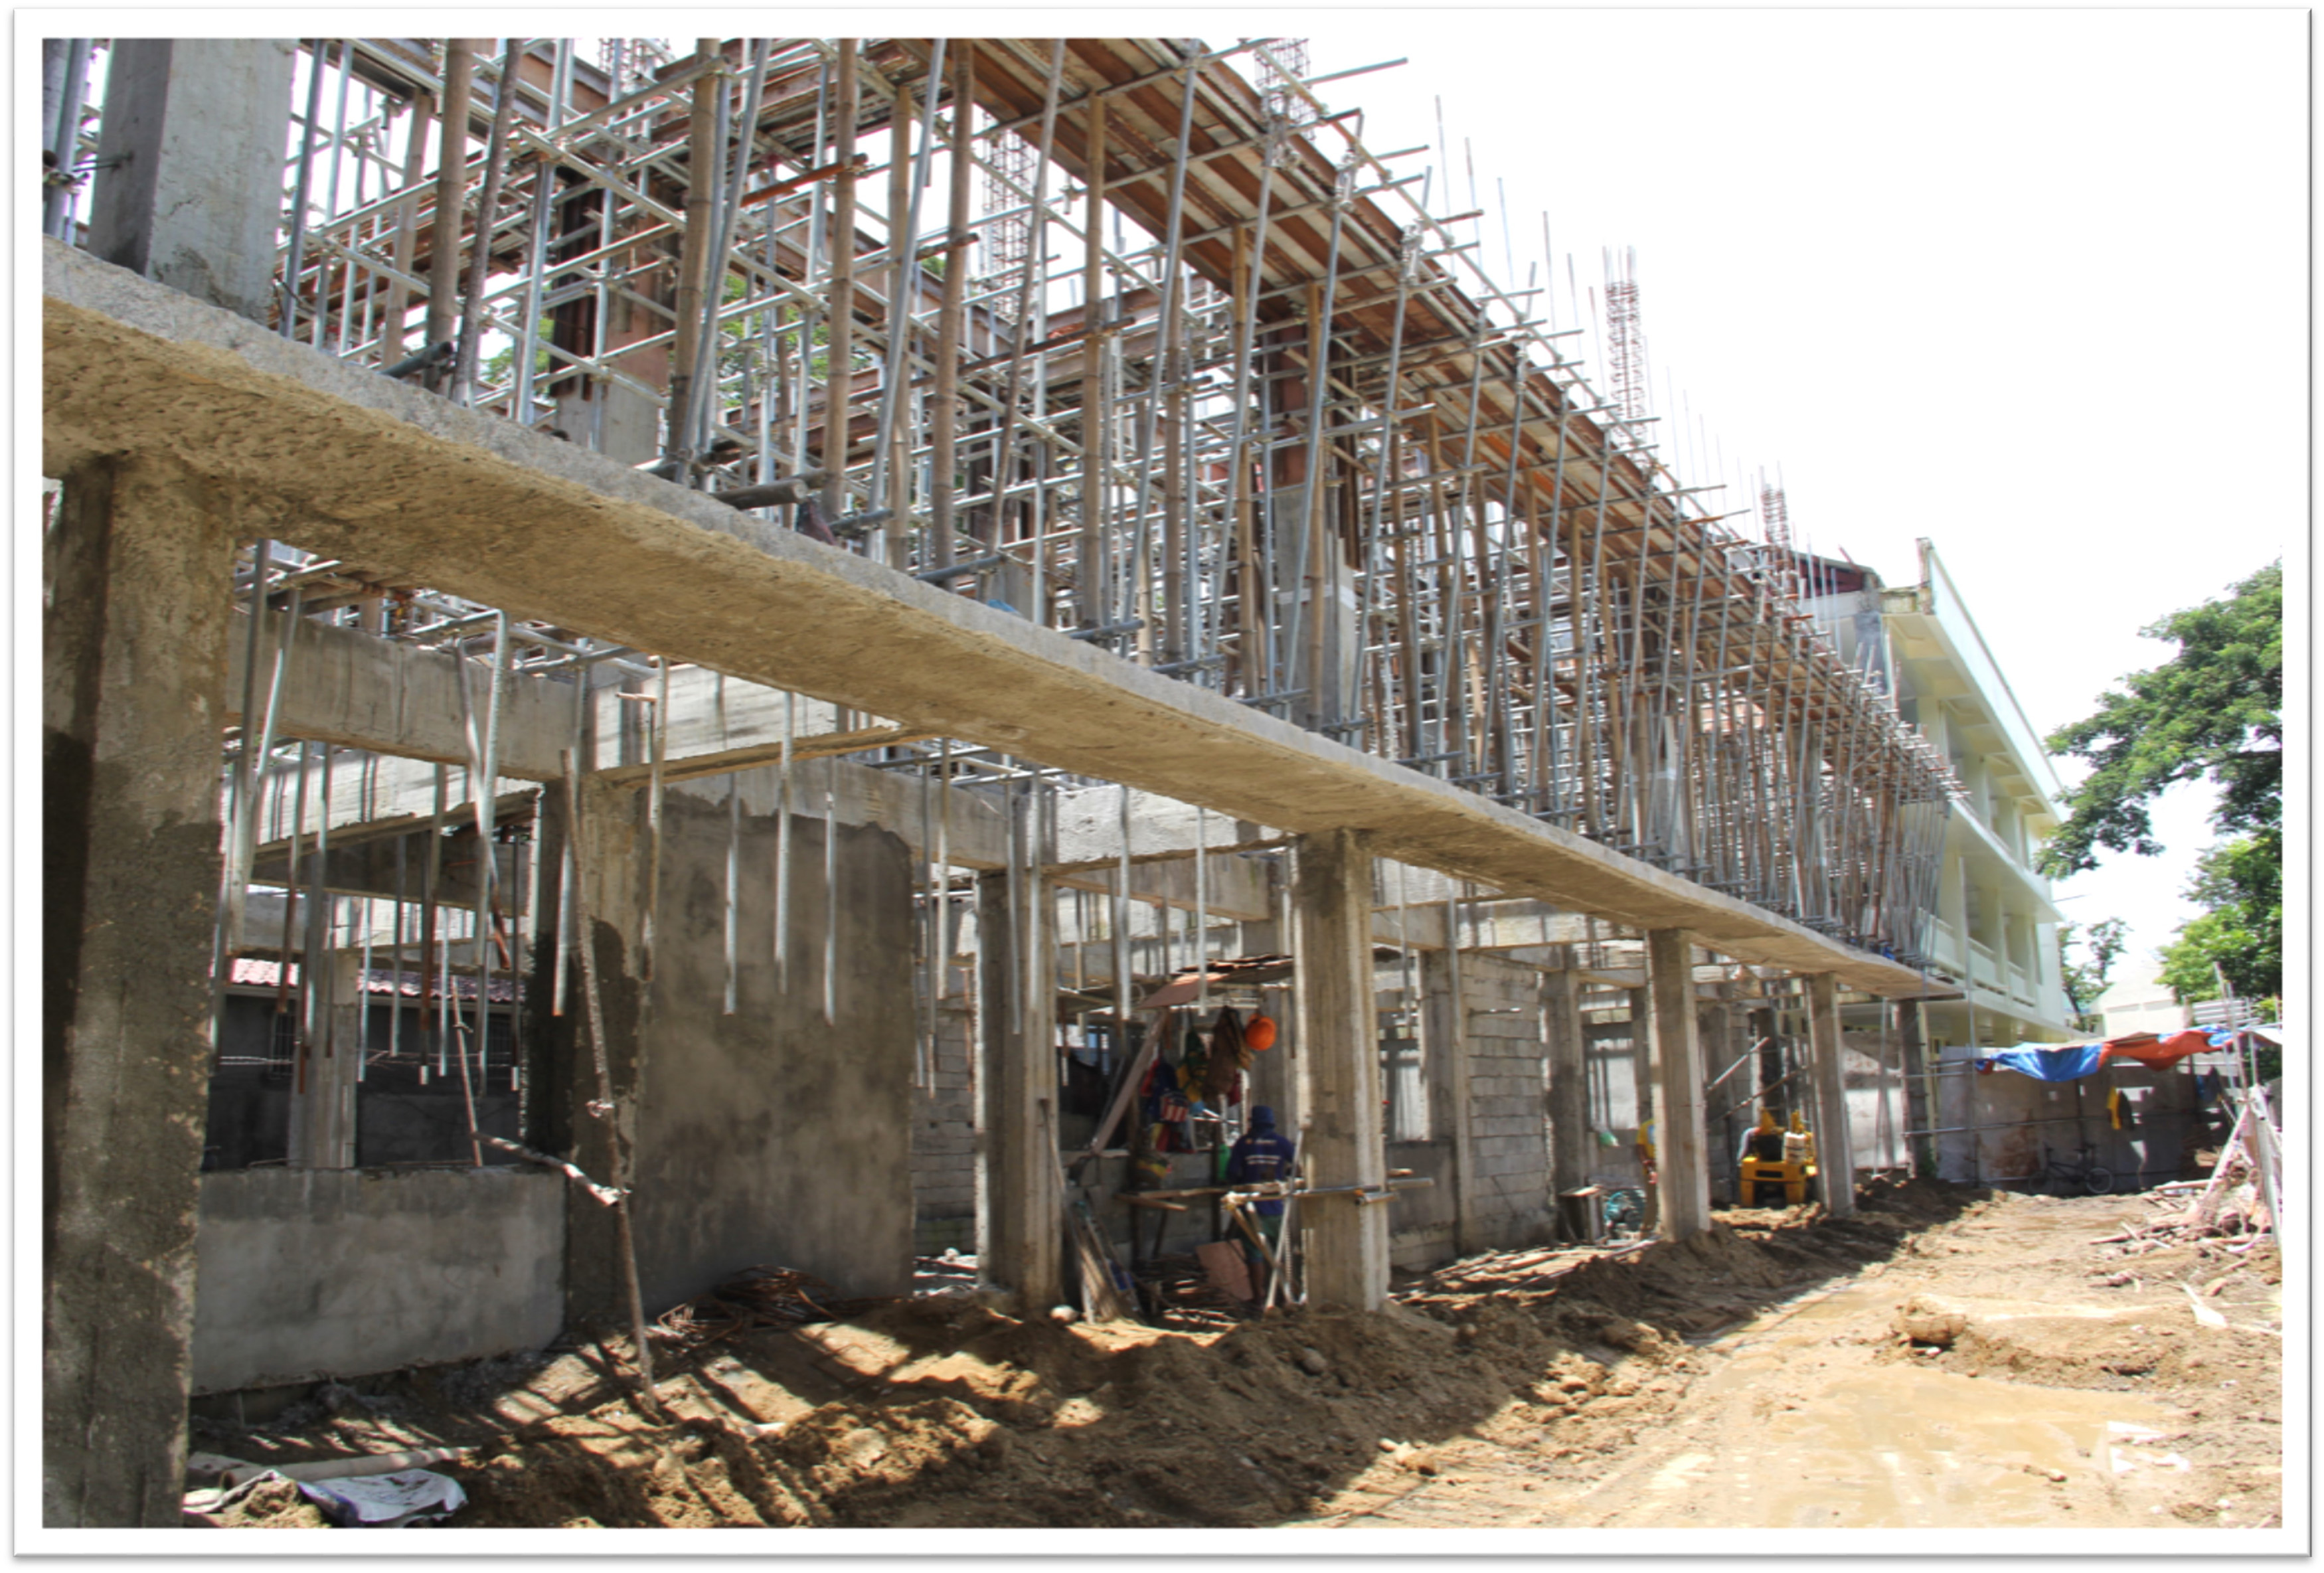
{"x": 2045, "y": 1064}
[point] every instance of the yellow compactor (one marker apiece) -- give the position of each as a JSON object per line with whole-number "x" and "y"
{"x": 1779, "y": 1164}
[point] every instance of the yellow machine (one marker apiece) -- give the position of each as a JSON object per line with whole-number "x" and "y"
{"x": 1779, "y": 1166}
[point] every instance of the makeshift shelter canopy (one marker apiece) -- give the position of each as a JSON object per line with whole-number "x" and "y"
{"x": 2073, "y": 1062}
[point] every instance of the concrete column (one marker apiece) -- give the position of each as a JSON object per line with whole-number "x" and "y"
{"x": 1761, "y": 1025}
{"x": 1920, "y": 1109}
{"x": 1342, "y": 1142}
{"x": 323, "y": 1080}
{"x": 581, "y": 1114}
{"x": 1834, "y": 1155}
{"x": 1642, "y": 1057}
{"x": 132, "y": 683}
{"x": 1444, "y": 1021}
{"x": 1569, "y": 1083}
{"x": 189, "y": 187}
{"x": 1722, "y": 1135}
{"x": 1683, "y": 1187}
{"x": 1020, "y": 1201}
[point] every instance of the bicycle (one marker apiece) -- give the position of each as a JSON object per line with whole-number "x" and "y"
{"x": 2086, "y": 1171}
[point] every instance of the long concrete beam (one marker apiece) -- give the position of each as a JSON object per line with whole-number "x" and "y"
{"x": 342, "y": 685}
{"x": 353, "y": 464}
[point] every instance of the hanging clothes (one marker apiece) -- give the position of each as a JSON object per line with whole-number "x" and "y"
{"x": 1230, "y": 1055}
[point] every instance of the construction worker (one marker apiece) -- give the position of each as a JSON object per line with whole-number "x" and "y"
{"x": 1260, "y": 1155}
{"x": 1651, "y": 1209}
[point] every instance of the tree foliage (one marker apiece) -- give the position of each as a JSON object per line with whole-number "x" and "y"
{"x": 2086, "y": 979}
{"x": 2240, "y": 885}
{"x": 2214, "y": 709}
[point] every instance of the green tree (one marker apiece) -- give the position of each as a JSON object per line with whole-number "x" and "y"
{"x": 2215, "y": 711}
{"x": 2240, "y": 886}
{"x": 2086, "y": 979}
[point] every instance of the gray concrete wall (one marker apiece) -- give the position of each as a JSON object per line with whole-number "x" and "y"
{"x": 770, "y": 1135}
{"x": 339, "y": 1273}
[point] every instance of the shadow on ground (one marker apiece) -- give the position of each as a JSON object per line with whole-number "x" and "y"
{"x": 935, "y": 1411}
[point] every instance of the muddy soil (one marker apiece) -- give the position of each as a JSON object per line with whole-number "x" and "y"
{"x": 1755, "y": 1377}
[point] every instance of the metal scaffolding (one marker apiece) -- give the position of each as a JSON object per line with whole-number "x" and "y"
{"x": 1137, "y": 339}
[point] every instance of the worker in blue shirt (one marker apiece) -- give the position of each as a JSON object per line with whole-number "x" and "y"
{"x": 1259, "y": 1156}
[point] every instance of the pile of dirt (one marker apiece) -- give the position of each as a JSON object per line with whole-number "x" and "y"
{"x": 937, "y": 1412}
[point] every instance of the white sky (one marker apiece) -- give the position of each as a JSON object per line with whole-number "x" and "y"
{"x": 2031, "y": 284}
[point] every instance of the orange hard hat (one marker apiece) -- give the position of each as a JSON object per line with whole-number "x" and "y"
{"x": 1258, "y": 1032}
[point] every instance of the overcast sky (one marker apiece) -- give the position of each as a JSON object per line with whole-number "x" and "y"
{"x": 2031, "y": 284}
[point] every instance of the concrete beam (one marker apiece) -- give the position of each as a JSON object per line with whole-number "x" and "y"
{"x": 1343, "y": 1142}
{"x": 1684, "y": 1182}
{"x": 363, "y": 861}
{"x": 1089, "y": 829}
{"x": 356, "y": 690}
{"x": 1519, "y": 924}
{"x": 1234, "y": 888}
{"x": 399, "y": 797}
{"x": 415, "y": 482}
{"x": 396, "y": 697}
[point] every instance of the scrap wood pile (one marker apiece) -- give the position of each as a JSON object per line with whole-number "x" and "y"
{"x": 754, "y": 1298}
{"x": 1178, "y": 1290}
{"x": 2238, "y": 1200}
{"x": 1528, "y": 1277}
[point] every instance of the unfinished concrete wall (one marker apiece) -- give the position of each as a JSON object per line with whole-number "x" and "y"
{"x": 1508, "y": 1111}
{"x": 771, "y": 1135}
{"x": 342, "y": 1272}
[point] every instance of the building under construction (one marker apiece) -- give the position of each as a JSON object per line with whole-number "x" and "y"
{"x": 700, "y": 654}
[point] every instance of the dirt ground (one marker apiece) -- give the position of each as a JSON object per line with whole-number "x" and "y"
{"x": 1756, "y": 1378}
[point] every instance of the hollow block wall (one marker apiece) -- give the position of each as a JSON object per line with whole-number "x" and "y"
{"x": 943, "y": 1134}
{"x": 1508, "y": 1108}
